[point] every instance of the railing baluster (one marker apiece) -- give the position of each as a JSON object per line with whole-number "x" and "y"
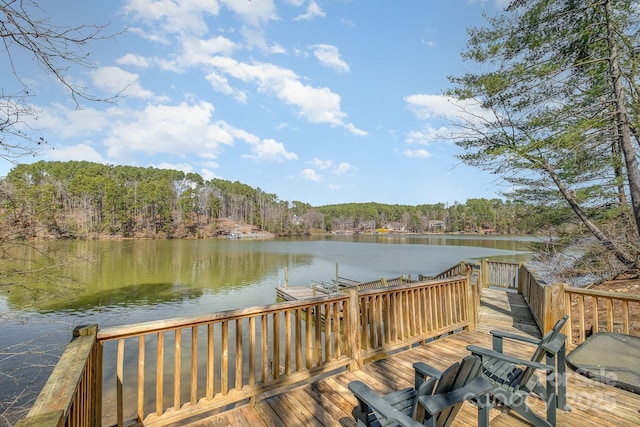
{"x": 308, "y": 338}
{"x": 194, "y": 365}
{"x": 252, "y": 351}
{"x": 298, "y": 340}
{"x": 318, "y": 336}
{"x": 160, "y": 374}
{"x": 239, "y": 351}
{"x": 140, "y": 411}
{"x": 264, "y": 353}
{"x": 287, "y": 344}
{"x": 120, "y": 382}
{"x": 224, "y": 358}
{"x": 211, "y": 362}
{"x": 177, "y": 368}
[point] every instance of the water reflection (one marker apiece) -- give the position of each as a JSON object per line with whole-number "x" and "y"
{"x": 86, "y": 275}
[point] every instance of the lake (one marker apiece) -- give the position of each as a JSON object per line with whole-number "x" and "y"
{"x": 122, "y": 282}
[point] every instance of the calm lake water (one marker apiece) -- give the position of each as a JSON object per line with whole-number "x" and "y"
{"x": 122, "y": 282}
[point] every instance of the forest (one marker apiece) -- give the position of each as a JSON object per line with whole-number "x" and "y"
{"x": 66, "y": 200}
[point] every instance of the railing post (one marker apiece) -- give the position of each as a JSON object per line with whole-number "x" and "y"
{"x": 554, "y": 305}
{"x": 521, "y": 275}
{"x": 472, "y": 307}
{"x": 484, "y": 273}
{"x": 352, "y": 330}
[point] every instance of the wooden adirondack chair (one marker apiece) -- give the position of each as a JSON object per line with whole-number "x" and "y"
{"x": 514, "y": 379}
{"x": 434, "y": 401}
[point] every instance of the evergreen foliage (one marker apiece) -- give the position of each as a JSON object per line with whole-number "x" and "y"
{"x": 84, "y": 200}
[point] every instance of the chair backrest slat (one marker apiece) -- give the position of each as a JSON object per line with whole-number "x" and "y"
{"x": 538, "y": 355}
{"x": 469, "y": 369}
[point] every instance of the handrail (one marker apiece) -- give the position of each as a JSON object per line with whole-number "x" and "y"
{"x": 71, "y": 395}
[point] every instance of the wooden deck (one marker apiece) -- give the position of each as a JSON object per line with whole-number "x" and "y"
{"x": 328, "y": 402}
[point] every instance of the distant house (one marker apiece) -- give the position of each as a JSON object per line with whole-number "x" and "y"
{"x": 296, "y": 220}
{"x": 436, "y": 224}
{"x": 396, "y": 227}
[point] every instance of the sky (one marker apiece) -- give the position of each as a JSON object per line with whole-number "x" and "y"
{"x": 318, "y": 101}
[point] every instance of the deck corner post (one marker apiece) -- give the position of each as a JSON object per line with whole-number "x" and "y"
{"x": 85, "y": 331}
{"x": 352, "y": 331}
{"x": 554, "y": 304}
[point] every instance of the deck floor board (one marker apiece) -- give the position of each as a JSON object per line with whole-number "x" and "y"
{"x": 328, "y": 402}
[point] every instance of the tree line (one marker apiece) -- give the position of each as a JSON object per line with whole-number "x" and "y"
{"x": 79, "y": 199}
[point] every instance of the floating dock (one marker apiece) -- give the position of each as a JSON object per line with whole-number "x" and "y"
{"x": 319, "y": 289}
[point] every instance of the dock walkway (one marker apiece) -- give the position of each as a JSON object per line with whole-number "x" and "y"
{"x": 328, "y": 402}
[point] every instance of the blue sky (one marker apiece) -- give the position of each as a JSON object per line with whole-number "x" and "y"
{"x": 319, "y": 101}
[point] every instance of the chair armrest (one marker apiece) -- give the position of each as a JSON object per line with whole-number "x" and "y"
{"x": 422, "y": 371}
{"x": 426, "y": 370}
{"x": 370, "y": 398}
{"x": 436, "y": 403}
{"x": 484, "y": 352}
{"x": 515, "y": 337}
{"x": 555, "y": 345}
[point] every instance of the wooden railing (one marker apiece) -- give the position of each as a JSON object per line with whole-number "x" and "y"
{"x": 405, "y": 315}
{"x": 500, "y": 274}
{"x": 593, "y": 311}
{"x": 460, "y": 269}
{"x": 163, "y": 372}
{"x": 228, "y": 357}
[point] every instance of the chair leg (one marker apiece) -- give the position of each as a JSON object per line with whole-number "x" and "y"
{"x": 484, "y": 405}
{"x": 562, "y": 380}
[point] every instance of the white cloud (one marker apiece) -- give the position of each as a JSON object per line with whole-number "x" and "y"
{"x": 74, "y": 152}
{"x": 419, "y": 153}
{"x": 117, "y": 81}
{"x": 133, "y": 60}
{"x": 343, "y": 168}
{"x": 426, "y": 107}
{"x": 180, "y": 130}
{"x": 255, "y": 37}
{"x": 313, "y": 10}
{"x": 174, "y": 16}
{"x": 428, "y": 135}
{"x": 184, "y": 167}
{"x": 329, "y": 56}
{"x": 311, "y": 175}
{"x": 71, "y": 123}
{"x": 317, "y": 105}
{"x": 221, "y": 84}
{"x": 197, "y": 51}
{"x": 208, "y": 174}
{"x": 321, "y": 164}
{"x": 271, "y": 150}
{"x": 254, "y": 12}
